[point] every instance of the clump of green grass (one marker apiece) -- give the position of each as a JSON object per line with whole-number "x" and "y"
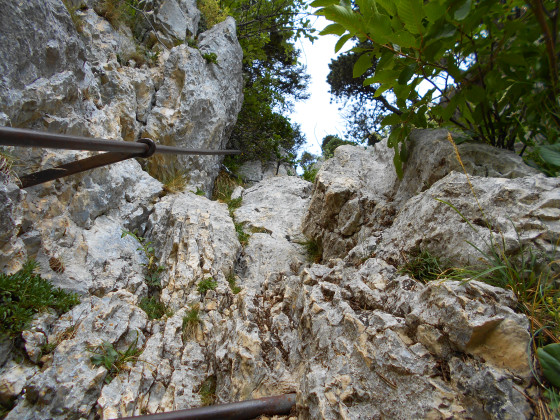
{"x": 241, "y": 235}
{"x": 114, "y": 360}
{"x": 207, "y": 391}
{"x": 423, "y": 266}
{"x": 154, "y": 308}
{"x": 210, "y": 58}
{"x": 191, "y": 321}
{"x": 153, "y": 269}
{"x": 206, "y": 284}
{"x": 314, "y": 250}
{"x": 76, "y": 20}
{"x": 25, "y": 293}
{"x": 232, "y": 283}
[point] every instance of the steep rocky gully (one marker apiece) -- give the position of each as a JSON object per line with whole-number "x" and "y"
{"x": 353, "y": 337}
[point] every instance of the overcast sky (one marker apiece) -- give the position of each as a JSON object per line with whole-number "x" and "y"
{"x": 317, "y": 116}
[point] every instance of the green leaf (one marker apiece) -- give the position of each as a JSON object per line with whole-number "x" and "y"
{"x": 392, "y": 119}
{"x": 411, "y": 13}
{"x": 345, "y": 16}
{"x": 382, "y": 88}
{"x": 475, "y": 94}
{"x": 333, "y": 29}
{"x": 389, "y": 6}
{"x": 549, "y": 358}
{"x": 406, "y": 74}
{"x": 447, "y": 31}
{"x": 398, "y": 164}
{"x": 463, "y": 11}
{"x": 379, "y": 28}
{"x": 434, "y": 11}
{"x": 550, "y": 154}
{"x": 340, "y": 43}
{"x": 323, "y": 3}
{"x": 362, "y": 65}
{"x": 405, "y": 39}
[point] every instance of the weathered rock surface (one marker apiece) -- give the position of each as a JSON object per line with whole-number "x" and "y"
{"x": 198, "y": 101}
{"x": 358, "y": 193}
{"x": 351, "y": 336}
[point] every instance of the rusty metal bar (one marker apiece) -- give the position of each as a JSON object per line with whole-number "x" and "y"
{"x": 117, "y": 151}
{"x": 243, "y": 410}
{"x": 74, "y": 168}
{"x": 30, "y": 138}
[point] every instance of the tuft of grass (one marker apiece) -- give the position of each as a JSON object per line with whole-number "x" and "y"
{"x": 232, "y": 283}
{"x": 114, "y": 360}
{"x": 76, "y": 20}
{"x": 423, "y": 266}
{"x": 153, "y": 269}
{"x": 191, "y": 321}
{"x": 167, "y": 170}
{"x": 207, "y": 391}
{"x": 206, "y": 284}
{"x": 224, "y": 186}
{"x": 24, "y": 294}
{"x": 154, "y": 308}
{"x": 7, "y": 162}
{"x": 210, "y": 58}
{"x": 314, "y": 250}
{"x": 241, "y": 235}
{"x": 191, "y": 42}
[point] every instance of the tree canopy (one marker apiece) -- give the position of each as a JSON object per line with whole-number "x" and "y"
{"x": 491, "y": 67}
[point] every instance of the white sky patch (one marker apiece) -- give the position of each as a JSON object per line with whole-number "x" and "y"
{"x": 317, "y": 116}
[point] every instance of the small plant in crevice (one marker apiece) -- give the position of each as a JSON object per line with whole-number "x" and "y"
{"x": 241, "y": 235}
{"x": 232, "y": 283}
{"x": 114, "y": 360}
{"x": 191, "y": 321}
{"x": 199, "y": 192}
{"x": 25, "y": 293}
{"x": 7, "y": 163}
{"x": 153, "y": 269}
{"x": 76, "y": 19}
{"x": 423, "y": 266}
{"x": 191, "y": 42}
{"x": 206, "y": 284}
{"x": 313, "y": 249}
{"x": 207, "y": 391}
{"x": 210, "y": 58}
{"x": 154, "y": 307}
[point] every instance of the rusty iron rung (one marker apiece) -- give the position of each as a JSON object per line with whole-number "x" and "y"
{"x": 116, "y": 151}
{"x": 242, "y": 410}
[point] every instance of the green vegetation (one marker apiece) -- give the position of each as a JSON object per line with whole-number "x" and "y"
{"x": 274, "y": 78}
{"x": 191, "y": 321}
{"x": 210, "y": 58}
{"x": 314, "y": 250}
{"x": 76, "y": 19}
{"x": 232, "y": 283}
{"x": 207, "y": 391}
{"x": 421, "y": 265}
{"x": 23, "y": 294}
{"x": 241, "y": 235}
{"x": 7, "y": 162}
{"x": 199, "y": 192}
{"x": 492, "y": 66}
{"x": 206, "y": 284}
{"x": 114, "y": 360}
{"x": 154, "y": 307}
{"x": 153, "y": 269}
{"x": 211, "y": 13}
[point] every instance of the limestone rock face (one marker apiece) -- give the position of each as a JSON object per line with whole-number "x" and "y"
{"x": 12, "y": 249}
{"x": 198, "y": 242}
{"x": 198, "y": 101}
{"x": 358, "y": 193}
{"x": 520, "y": 211}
